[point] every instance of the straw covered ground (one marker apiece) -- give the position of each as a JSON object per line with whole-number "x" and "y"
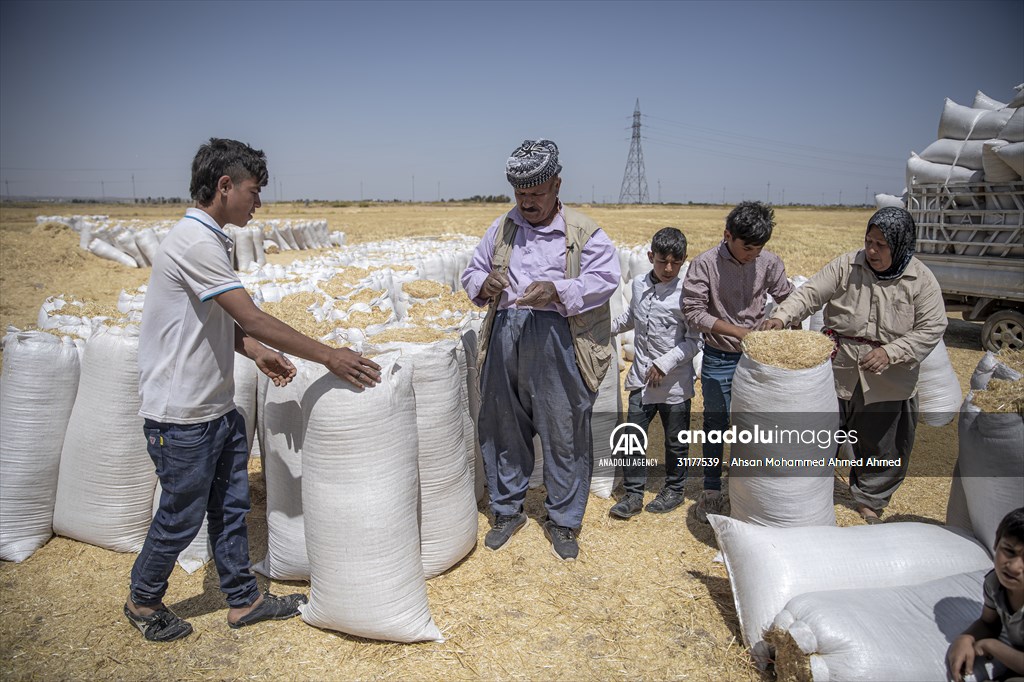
{"x": 644, "y": 601}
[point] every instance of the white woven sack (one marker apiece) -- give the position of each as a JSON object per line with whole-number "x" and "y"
{"x": 448, "y": 514}
{"x": 199, "y": 551}
{"x": 126, "y": 242}
{"x": 281, "y": 431}
{"x": 921, "y": 172}
{"x": 990, "y": 367}
{"x": 148, "y": 243}
{"x": 938, "y": 389}
{"x": 966, "y": 153}
{"x": 105, "y": 250}
{"x": 991, "y": 463}
{"x": 603, "y": 420}
{"x": 983, "y": 101}
{"x": 246, "y": 375}
{"x": 769, "y": 566}
{"x": 1012, "y": 155}
{"x": 965, "y": 123}
{"x": 884, "y": 633}
{"x": 40, "y": 381}
{"x": 259, "y": 255}
{"x": 470, "y": 341}
{"x": 361, "y": 491}
{"x": 1013, "y": 131}
{"x": 957, "y": 514}
{"x": 773, "y": 495}
{"x": 883, "y": 200}
{"x": 996, "y": 169}
{"x": 244, "y": 254}
{"x": 106, "y": 482}
{"x": 624, "y": 264}
{"x": 1018, "y": 97}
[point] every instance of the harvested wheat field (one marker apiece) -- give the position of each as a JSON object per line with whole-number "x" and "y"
{"x": 644, "y": 601}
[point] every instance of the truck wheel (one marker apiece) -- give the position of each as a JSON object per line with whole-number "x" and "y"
{"x": 1003, "y": 329}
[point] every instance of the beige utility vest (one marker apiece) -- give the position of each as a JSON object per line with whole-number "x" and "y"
{"x": 592, "y": 330}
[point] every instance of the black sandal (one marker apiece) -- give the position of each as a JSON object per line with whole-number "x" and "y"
{"x": 272, "y": 608}
{"x": 163, "y": 626}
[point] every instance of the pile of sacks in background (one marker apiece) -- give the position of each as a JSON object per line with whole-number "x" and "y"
{"x": 134, "y": 243}
{"x": 883, "y": 601}
{"x": 983, "y": 143}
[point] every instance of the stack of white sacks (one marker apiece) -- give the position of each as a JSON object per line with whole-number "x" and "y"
{"x": 884, "y": 601}
{"x": 982, "y": 143}
{"x": 71, "y": 390}
{"x": 134, "y": 243}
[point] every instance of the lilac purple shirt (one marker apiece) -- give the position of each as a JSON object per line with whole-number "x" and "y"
{"x": 538, "y": 255}
{"x": 719, "y": 287}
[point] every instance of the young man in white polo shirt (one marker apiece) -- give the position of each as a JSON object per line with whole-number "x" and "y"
{"x": 197, "y": 315}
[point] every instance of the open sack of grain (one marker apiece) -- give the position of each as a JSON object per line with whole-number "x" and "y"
{"x": 785, "y": 415}
{"x": 769, "y": 567}
{"x": 990, "y": 460}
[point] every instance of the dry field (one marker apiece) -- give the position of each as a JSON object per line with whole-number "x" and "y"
{"x": 644, "y": 601}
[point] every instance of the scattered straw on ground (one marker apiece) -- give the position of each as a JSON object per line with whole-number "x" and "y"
{"x": 1001, "y": 397}
{"x": 425, "y": 288}
{"x": 788, "y": 348}
{"x": 1014, "y": 359}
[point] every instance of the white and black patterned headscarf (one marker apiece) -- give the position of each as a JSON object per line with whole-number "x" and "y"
{"x": 533, "y": 163}
{"x": 897, "y": 226}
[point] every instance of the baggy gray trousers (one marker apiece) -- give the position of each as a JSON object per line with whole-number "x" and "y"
{"x": 530, "y": 384}
{"x": 885, "y": 431}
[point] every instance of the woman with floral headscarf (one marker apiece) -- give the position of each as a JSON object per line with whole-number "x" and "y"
{"x": 884, "y": 311}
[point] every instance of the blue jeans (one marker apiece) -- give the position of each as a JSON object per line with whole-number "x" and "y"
{"x": 674, "y": 418}
{"x": 203, "y": 471}
{"x": 716, "y": 386}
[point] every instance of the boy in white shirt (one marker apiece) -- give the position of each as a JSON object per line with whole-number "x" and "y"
{"x": 661, "y": 378}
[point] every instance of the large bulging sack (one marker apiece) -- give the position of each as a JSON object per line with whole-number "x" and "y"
{"x": 878, "y": 633}
{"x": 991, "y": 465}
{"x": 37, "y": 394}
{"x": 448, "y": 514}
{"x": 938, "y": 389}
{"x": 770, "y": 566}
{"x": 774, "y": 491}
{"x": 106, "y": 482}
{"x": 281, "y": 431}
{"x": 246, "y": 375}
{"x": 360, "y": 489}
{"x": 965, "y": 123}
{"x": 604, "y": 419}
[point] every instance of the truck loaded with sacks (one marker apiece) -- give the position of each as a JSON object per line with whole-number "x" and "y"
{"x": 966, "y": 194}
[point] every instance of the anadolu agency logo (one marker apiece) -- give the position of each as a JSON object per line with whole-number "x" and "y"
{"x": 628, "y": 443}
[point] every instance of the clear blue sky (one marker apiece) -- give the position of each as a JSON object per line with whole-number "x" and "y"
{"x": 385, "y": 99}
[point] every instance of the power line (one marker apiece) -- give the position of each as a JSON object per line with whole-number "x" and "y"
{"x": 634, "y": 179}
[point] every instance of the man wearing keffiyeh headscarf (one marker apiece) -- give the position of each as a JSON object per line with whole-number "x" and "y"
{"x": 546, "y": 273}
{"x": 885, "y": 313}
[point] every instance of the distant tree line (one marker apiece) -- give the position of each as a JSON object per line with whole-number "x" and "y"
{"x": 489, "y": 199}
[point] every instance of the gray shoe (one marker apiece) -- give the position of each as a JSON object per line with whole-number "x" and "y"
{"x": 710, "y": 502}
{"x": 666, "y": 501}
{"x": 563, "y": 541}
{"x": 505, "y": 526}
{"x": 629, "y": 506}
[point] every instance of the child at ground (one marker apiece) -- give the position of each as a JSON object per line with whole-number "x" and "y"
{"x": 197, "y": 315}
{"x": 724, "y": 297}
{"x": 1002, "y": 615}
{"x": 661, "y": 378}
